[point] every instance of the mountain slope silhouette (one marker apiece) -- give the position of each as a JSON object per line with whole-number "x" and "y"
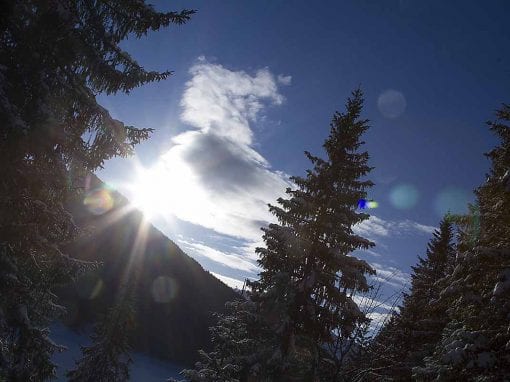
{"x": 174, "y": 296}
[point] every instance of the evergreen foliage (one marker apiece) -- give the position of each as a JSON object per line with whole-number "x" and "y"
{"x": 476, "y": 342}
{"x": 55, "y": 57}
{"x": 454, "y": 323}
{"x": 235, "y": 337}
{"x": 308, "y": 277}
{"x": 412, "y": 332}
{"x": 108, "y": 359}
{"x": 303, "y": 302}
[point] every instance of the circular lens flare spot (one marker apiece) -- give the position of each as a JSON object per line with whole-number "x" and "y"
{"x": 404, "y": 196}
{"x": 164, "y": 289}
{"x": 99, "y": 201}
{"x": 452, "y": 199}
{"x": 373, "y": 204}
{"x": 391, "y": 103}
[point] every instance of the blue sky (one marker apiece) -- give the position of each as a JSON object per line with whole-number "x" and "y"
{"x": 256, "y": 84}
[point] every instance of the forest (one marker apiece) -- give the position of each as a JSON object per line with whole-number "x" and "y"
{"x": 307, "y": 316}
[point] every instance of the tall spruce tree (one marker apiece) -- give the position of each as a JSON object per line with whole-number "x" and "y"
{"x": 55, "y": 57}
{"x": 476, "y": 342}
{"x": 308, "y": 276}
{"x": 303, "y": 300}
{"x": 107, "y": 359}
{"x": 412, "y": 332}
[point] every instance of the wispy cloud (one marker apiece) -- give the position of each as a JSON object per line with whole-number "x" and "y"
{"x": 224, "y": 102}
{"x": 284, "y": 80}
{"x": 230, "y": 281}
{"x": 391, "y": 276}
{"x": 378, "y": 319}
{"x": 372, "y": 304}
{"x": 212, "y": 176}
{"x": 410, "y": 226}
{"x": 230, "y": 260}
{"x": 375, "y": 226}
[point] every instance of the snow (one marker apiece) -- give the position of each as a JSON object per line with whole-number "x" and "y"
{"x": 504, "y": 285}
{"x": 501, "y": 287}
{"x": 506, "y": 180}
{"x": 144, "y": 368}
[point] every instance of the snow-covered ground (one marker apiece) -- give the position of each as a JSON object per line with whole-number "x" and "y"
{"x": 143, "y": 369}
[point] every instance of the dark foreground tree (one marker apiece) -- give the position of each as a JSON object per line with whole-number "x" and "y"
{"x": 108, "y": 359}
{"x": 234, "y": 338}
{"x": 304, "y": 297}
{"x": 55, "y": 57}
{"x": 308, "y": 276}
{"x": 476, "y": 342}
{"x": 412, "y": 332}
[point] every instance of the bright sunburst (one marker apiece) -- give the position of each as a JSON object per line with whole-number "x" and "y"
{"x": 164, "y": 189}
{"x": 147, "y": 191}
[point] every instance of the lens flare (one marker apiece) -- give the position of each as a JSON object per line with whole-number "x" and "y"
{"x": 373, "y": 204}
{"x": 391, "y": 103}
{"x": 164, "y": 289}
{"x": 404, "y": 196}
{"x": 99, "y": 201}
{"x": 363, "y": 204}
{"x": 454, "y": 200}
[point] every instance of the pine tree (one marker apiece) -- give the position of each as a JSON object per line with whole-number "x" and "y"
{"x": 303, "y": 300}
{"x": 308, "y": 278}
{"x": 55, "y": 57}
{"x": 234, "y": 337}
{"x": 476, "y": 342}
{"x": 494, "y": 195}
{"x": 468, "y": 228}
{"x": 108, "y": 359}
{"x": 412, "y": 332}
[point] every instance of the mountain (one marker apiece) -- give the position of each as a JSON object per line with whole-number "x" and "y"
{"x": 175, "y": 297}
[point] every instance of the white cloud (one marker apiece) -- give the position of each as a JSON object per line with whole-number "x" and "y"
{"x": 408, "y": 225}
{"x": 247, "y": 249}
{"x": 391, "y": 276}
{"x": 223, "y": 102}
{"x": 212, "y": 176}
{"x": 230, "y": 260}
{"x": 284, "y": 80}
{"x": 372, "y": 226}
{"x": 369, "y": 303}
{"x": 375, "y": 226}
{"x": 231, "y": 282}
{"x": 378, "y": 319}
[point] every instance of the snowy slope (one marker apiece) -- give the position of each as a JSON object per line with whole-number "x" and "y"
{"x": 143, "y": 369}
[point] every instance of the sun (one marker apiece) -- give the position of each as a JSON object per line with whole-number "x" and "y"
{"x": 146, "y": 191}
{"x": 165, "y": 190}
